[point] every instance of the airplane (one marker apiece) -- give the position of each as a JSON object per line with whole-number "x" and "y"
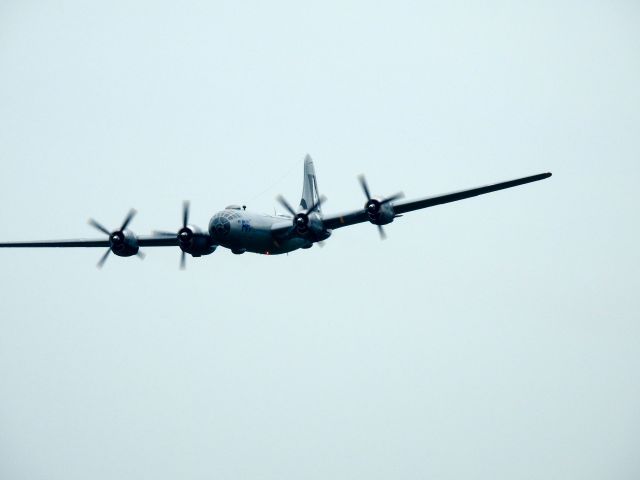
{"x": 243, "y": 231}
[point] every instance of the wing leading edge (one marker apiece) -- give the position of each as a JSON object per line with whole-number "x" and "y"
{"x": 150, "y": 241}
{"x": 359, "y": 216}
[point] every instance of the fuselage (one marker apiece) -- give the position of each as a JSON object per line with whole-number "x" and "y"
{"x": 243, "y": 231}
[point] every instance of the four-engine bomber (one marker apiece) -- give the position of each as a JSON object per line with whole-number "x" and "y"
{"x": 242, "y": 231}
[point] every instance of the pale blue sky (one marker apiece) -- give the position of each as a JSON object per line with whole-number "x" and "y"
{"x": 492, "y": 338}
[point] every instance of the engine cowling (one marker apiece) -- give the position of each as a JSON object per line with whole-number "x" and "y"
{"x": 123, "y": 243}
{"x": 316, "y": 230}
{"x": 379, "y": 212}
{"x": 193, "y": 241}
{"x": 307, "y": 223}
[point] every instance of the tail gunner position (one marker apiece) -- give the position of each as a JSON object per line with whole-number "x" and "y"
{"x": 242, "y": 231}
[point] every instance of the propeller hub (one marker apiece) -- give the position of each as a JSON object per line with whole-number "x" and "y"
{"x": 301, "y": 222}
{"x": 372, "y": 207}
{"x": 185, "y": 235}
{"x": 117, "y": 239}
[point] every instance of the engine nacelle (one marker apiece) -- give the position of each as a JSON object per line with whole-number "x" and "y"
{"x": 123, "y": 243}
{"x": 194, "y": 242}
{"x": 379, "y": 213}
{"x": 316, "y": 229}
{"x": 310, "y": 225}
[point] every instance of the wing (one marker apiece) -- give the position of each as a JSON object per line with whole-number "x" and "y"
{"x": 158, "y": 241}
{"x": 344, "y": 219}
{"x": 149, "y": 241}
{"x": 359, "y": 216}
{"x": 57, "y": 243}
{"x": 281, "y": 229}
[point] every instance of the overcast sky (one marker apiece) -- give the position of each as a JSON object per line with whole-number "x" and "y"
{"x": 497, "y": 338}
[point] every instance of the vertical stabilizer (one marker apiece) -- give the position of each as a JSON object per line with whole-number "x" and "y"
{"x": 310, "y": 193}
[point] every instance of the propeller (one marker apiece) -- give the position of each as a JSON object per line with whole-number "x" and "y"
{"x": 301, "y": 219}
{"x": 184, "y": 235}
{"x": 116, "y": 238}
{"x": 374, "y": 205}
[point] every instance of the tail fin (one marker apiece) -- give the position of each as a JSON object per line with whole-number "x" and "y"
{"x": 310, "y": 193}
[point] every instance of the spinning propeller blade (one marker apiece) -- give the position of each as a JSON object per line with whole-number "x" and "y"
{"x": 186, "y": 205}
{"x": 185, "y": 213}
{"x": 286, "y": 205}
{"x": 365, "y": 187}
{"x": 393, "y": 198}
{"x": 316, "y": 205}
{"x": 128, "y": 218}
{"x": 103, "y": 259}
{"x": 95, "y": 224}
